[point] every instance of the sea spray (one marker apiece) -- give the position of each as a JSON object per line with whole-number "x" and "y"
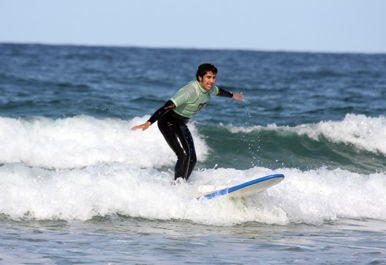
{"x": 311, "y": 197}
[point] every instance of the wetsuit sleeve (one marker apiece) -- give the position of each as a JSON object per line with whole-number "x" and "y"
{"x": 224, "y": 93}
{"x": 169, "y": 105}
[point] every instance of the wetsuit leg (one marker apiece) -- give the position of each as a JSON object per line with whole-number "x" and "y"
{"x": 180, "y": 140}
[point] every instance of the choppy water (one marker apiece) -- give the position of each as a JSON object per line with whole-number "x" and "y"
{"x": 78, "y": 186}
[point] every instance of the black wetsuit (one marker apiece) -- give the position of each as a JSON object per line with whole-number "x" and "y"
{"x": 174, "y": 128}
{"x": 176, "y": 133}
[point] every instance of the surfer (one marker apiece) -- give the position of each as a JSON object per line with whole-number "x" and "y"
{"x": 175, "y": 114}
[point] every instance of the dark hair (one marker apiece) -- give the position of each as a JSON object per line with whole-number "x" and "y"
{"x": 204, "y": 68}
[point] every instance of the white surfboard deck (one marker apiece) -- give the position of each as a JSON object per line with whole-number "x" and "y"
{"x": 246, "y": 189}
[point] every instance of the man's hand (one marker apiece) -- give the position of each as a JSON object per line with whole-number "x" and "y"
{"x": 238, "y": 96}
{"x": 142, "y": 126}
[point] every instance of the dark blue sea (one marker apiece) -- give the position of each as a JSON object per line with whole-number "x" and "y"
{"x": 77, "y": 186}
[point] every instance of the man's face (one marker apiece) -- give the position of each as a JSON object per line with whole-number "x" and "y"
{"x": 207, "y": 81}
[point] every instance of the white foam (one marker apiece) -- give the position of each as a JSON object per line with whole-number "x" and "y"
{"x": 311, "y": 197}
{"x": 81, "y": 167}
{"x": 366, "y": 133}
{"x": 82, "y": 141}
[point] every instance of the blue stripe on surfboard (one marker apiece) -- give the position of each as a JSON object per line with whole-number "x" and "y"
{"x": 240, "y": 186}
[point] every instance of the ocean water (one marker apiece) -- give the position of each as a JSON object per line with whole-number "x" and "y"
{"x": 77, "y": 186}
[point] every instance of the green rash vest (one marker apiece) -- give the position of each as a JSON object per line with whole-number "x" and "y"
{"x": 192, "y": 98}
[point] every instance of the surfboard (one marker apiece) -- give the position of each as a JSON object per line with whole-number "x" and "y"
{"x": 246, "y": 189}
